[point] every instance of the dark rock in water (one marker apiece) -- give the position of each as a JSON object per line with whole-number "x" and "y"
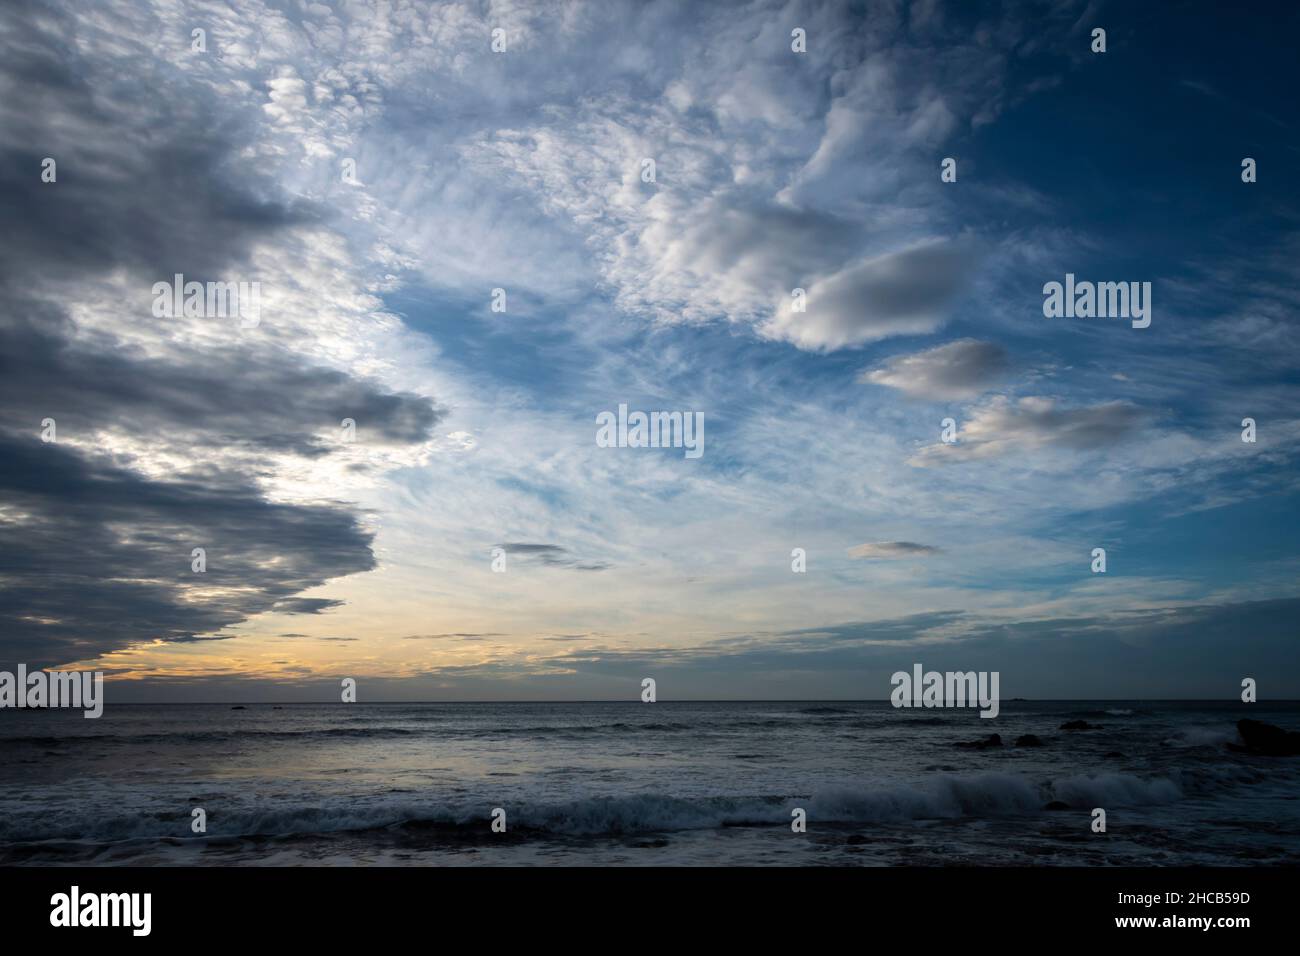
{"x": 1028, "y": 740}
{"x": 992, "y": 740}
{"x": 650, "y": 844}
{"x": 1079, "y": 725}
{"x": 1115, "y": 755}
{"x": 240, "y": 707}
{"x": 1057, "y": 805}
{"x": 856, "y": 839}
{"x": 1262, "y": 738}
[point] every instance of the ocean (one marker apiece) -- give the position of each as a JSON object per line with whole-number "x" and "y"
{"x": 609, "y": 784}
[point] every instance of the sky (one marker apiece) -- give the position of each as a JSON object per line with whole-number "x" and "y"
{"x": 381, "y": 171}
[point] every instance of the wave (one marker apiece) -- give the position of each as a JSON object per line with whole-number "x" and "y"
{"x": 1116, "y": 790}
{"x": 199, "y": 736}
{"x": 236, "y": 733}
{"x": 1203, "y": 737}
{"x": 943, "y": 796}
{"x": 562, "y": 730}
{"x": 41, "y": 741}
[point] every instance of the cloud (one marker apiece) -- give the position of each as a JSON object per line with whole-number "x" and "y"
{"x": 475, "y": 170}
{"x": 171, "y": 434}
{"x": 960, "y": 369}
{"x": 727, "y": 256}
{"x": 907, "y": 292}
{"x": 313, "y": 637}
{"x": 1156, "y": 652}
{"x": 137, "y": 163}
{"x": 304, "y": 605}
{"x": 98, "y": 557}
{"x": 551, "y": 555}
{"x": 252, "y": 398}
{"x": 892, "y": 550}
{"x": 1161, "y": 651}
{"x": 461, "y": 635}
{"x": 1003, "y": 426}
{"x": 909, "y": 628}
{"x": 773, "y": 172}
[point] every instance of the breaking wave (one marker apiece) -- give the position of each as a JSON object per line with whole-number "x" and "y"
{"x": 943, "y": 796}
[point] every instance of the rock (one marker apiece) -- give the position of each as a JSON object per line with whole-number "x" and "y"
{"x": 1079, "y": 725}
{"x": 1262, "y": 738}
{"x": 239, "y": 707}
{"x": 1028, "y": 740}
{"x": 1114, "y": 755}
{"x": 856, "y": 839}
{"x": 1057, "y": 805}
{"x": 992, "y": 740}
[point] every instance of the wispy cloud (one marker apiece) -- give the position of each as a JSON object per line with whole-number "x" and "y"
{"x": 892, "y": 550}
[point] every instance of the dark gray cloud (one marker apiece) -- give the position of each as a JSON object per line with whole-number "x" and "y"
{"x": 551, "y": 555}
{"x": 305, "y": 605}
{"x": 1198, "y": 650}
{"x": 893, "y": 550}
{"x": 899, "y": 293}
{"x": 1092, "y": 426}
{"x": 959, "y": 369}
{"x": 1003, "y": 426}
{"x": 148, "y": 176}
{"x": 99, "y": 557}
{"x": 240, "y": 397}
{"x": 94, "y": 544}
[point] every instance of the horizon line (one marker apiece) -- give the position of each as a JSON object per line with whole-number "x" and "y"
{"x": 706, "y": 700}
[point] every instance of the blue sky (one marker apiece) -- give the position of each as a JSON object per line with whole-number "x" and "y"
{"x": 522, "y": 170}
